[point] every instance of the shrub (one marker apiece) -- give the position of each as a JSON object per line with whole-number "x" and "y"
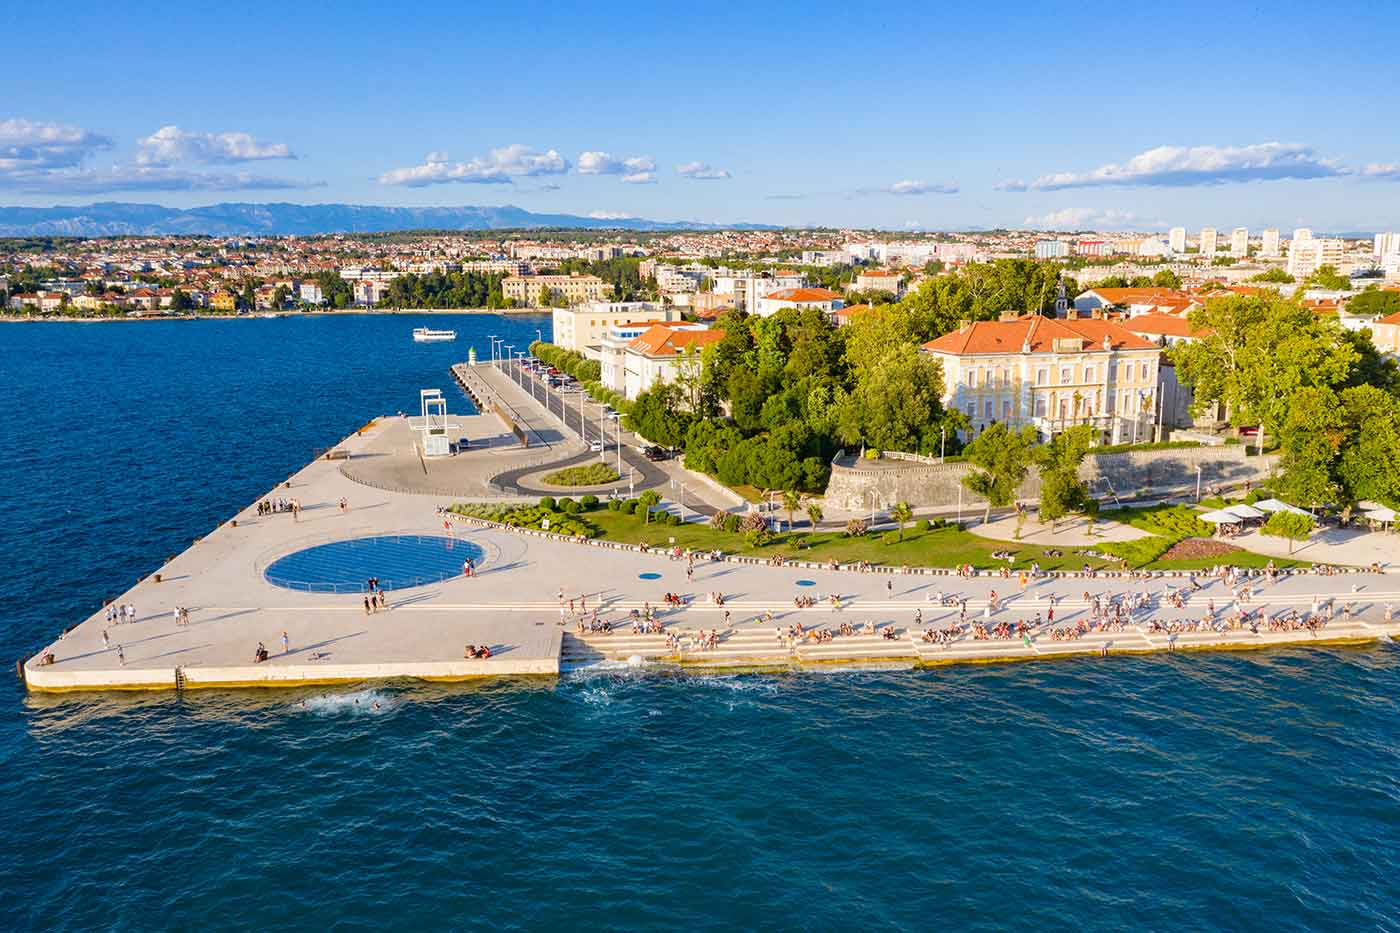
{"x": 590, "y": 474}
{"x": 923, "y": 524}
{"x": 547, "y": 502}
{"x": 672, "y": 519}
{"x": 731, "y": 523}
{"x": 890, "y": 537}
{"x": 752, "y": 521}
{"x": 629, "y": 506}
{"x": 717, "y": 520}
{"x": 614, "y": 505}
{"x": 856, "y": 527}
{"x": 570, "y": 506}
{"x": 758, "y": 537}
{"x": 1139, "y": 552}
{"x": 872, "y": 454}
{"x": 589, "y": 502}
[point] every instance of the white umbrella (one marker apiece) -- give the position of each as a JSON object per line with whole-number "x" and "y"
{"x": 1244, "y": 511}
{"x": 1381, "y": 514}
{"x": 1275, "y": 505}
{"x": 1220, "y": 517}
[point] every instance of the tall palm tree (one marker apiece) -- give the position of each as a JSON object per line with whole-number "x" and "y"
{"x": 901, "y": 513}
{"x": 814, "y": 513}
{"x": 791, "y": 503}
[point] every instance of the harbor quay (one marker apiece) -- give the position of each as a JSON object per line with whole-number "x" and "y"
{"x": 292, "y": 583}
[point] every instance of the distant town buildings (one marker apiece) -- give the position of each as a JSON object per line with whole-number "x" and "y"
{"x": 1239, "y": 242}
{"x": 1269, "y": 245}
{"x": 1307, "y": 255}
{"x": 582, "y": 328}
{"x": 1176, "y": 240}
{"x": 1207, "y": 242}
{"x": 545, "y": 290}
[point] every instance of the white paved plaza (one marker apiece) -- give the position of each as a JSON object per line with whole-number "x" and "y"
{"x": 513, "y": 606}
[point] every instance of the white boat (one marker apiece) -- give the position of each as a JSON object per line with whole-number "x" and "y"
{"x": 428, "y": 335}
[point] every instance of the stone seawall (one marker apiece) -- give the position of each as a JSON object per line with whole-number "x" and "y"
{"x": 855, "y": 483}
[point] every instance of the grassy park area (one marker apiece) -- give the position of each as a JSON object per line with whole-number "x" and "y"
{"x": 590, "y": 474}
{"x": 1175, "y": 543}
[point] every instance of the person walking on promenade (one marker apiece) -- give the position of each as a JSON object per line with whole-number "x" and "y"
{"x": 889, "y": 589}
{"x": 367, "y": 609}
{"x": 727, "y": 623}
{"x": 106, "y": 639}
{"x": 344, "y": 505}
{"x": 121, "y": 656}
{"x": 286, "y": 644}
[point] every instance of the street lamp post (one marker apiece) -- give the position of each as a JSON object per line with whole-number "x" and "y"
{"x": 942, "y": 442}
{"x": 1198, "y": 482}
{"x": 492, "y": 338}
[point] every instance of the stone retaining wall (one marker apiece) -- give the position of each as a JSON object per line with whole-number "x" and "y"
{"x": 855, "y": 484}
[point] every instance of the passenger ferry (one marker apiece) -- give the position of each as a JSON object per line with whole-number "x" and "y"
{"x": 428, "y": 335}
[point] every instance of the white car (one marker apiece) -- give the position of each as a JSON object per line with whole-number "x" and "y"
{"x": 596, "y": 447}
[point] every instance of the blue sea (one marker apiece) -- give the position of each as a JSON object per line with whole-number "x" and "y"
{"x": 1187, "y": 792}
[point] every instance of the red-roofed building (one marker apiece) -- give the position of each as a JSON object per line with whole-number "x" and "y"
{"x": 823, "y": 299}
{"x": 1163, "y": 329}
{"x": 1136, "y": 301}
{"x": 1052, "y": 374}
{"x": 880, "y": 280}
{"x": 1385, "y": 334}
{"x": 844, "y": 315}
{"x": 658, "y": 354}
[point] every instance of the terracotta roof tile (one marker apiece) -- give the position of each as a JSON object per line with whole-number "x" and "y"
{"x": 663, "y": 340}
{"x": 1039, "y": 332}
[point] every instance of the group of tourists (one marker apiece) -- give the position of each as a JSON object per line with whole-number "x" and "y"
{"x": 278, "y": 505}
{"x": 477, "y": 654}
{"x": 117, "y": 614}
{"x": 180, "y": 615}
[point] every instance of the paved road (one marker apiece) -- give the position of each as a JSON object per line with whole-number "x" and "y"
{"x": 585, "y": 417}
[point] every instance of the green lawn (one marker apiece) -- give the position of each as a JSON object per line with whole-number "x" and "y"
{"x": 591, "y": 474}
{"x": 945, "y": 547}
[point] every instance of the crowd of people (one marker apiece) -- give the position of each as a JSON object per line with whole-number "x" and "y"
{"x": 279, "y": 505}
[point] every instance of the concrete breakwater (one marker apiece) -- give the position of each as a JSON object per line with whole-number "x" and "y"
{"x": 855, "y": 482}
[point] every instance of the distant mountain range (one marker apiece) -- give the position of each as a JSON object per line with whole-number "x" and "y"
{"x": 113, "y": 218}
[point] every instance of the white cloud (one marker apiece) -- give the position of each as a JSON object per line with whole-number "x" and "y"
{"x": 37, "y": 146}
{"x": 1090, "y": 218}
{"x": 701, "y": 170}
{"x": 499, "y": 167}
{"x": 48, "y": 158}
{"x": 639, "y": 170}
{"x": 609, "y": 215}
{"x": 1389, "y": 171}
{"x": 1182, "y": 166}
{"x": 919, "y": 187}
{"x": 171, "y": 144}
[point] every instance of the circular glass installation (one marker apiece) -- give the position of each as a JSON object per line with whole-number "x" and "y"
{"x": 398, "y": 561}
{"x": 648, "y": 576}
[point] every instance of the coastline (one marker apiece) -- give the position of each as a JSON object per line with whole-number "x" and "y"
{"x": 530, "y": 635}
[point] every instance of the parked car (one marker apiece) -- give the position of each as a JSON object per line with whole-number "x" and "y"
{"x": 654, "y": 453}
{"x": 596, "y": 447}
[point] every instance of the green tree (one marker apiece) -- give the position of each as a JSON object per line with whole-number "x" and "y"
{"x": 1326, "y": 276}
{"x": 791, "y": 503}
{"x": 1310, "y": 442}
{"x": 1369, "y": 465}
{"x": 1061, "y": 490}
{"x": 814, "y": 513}
{"x": 897, "y": 403}
{"x": 179, "y": 301}
{"x": 1374, "y": 303}
{"x": 646, "y": 502}
{"x": 1288, "y": 525}
{"x": 1166, "y": 278}
{"x": 902, "y": 514}
{"x": 1004, "y": 457}
{"x": 1275, "y": 276}
{"x": 1257, "y": 351}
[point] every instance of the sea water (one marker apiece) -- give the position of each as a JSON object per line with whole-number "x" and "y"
{"x": 1191, "y": 791}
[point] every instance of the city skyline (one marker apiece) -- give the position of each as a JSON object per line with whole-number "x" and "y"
{"x": 954, "y": 121}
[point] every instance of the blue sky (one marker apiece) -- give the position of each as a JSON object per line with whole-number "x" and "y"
{"x": 1089, "y": 114}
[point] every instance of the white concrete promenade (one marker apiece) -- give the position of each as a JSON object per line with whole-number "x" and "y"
{"x": 513, "y": 605}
